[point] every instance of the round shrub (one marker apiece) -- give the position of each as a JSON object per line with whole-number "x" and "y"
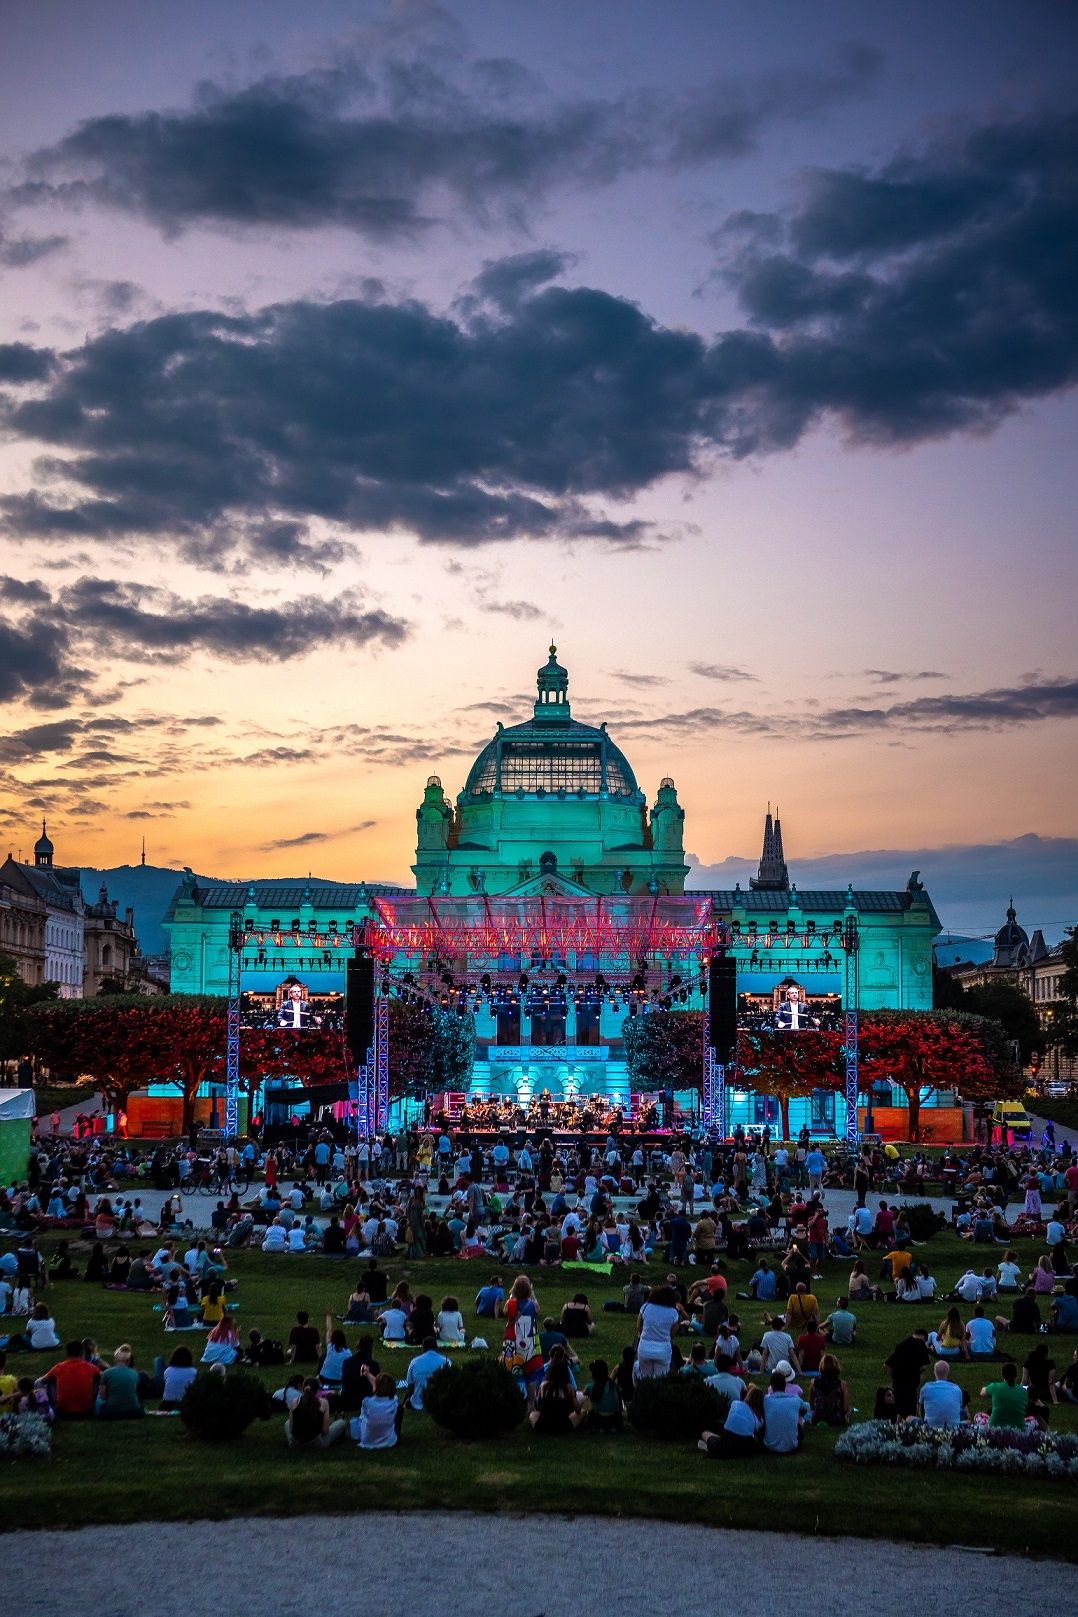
{"x": 221, "y": 1408}
{"x": 677, "y": 1406}
{"x": 479, "y": 1398}
{"x": 925, "y": 1222}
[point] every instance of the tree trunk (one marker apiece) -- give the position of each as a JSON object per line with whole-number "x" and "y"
{"x": 913, "y": 1101}
{"x": 784, "y": 1106}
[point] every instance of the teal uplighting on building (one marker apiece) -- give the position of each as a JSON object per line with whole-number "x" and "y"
{"x": 552, "y": 806}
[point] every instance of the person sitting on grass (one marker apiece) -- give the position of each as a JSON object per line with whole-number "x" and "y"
{"x": 981, "y": 1335}
{"x": 449, "y": 1324}
{"x": 698, "y": 1363}
{"x": 941, "y": 1402}
{"x": 335, "y": 1357}
{"x": 304, "y": 1342}
{"x": 557, "y": 1403}
{"x": 840, "y": 1326}
{"x": 176, "y": 1376}
{"x": 222, "y": 1345}
{"x": 829, "y": 1396}
{"x": 603, "y": 1407}
{"x": 39, "y": 1336}
{"x": 359, "y": 1310}
{"x": 949, "y": 1340}
{"x": 72, "y": 1384}
{"x": 118, "y": 1394}
{"x": 784, "y": 1416}
{"x": 422, "y": 1367}
{"x": 860, "y": 1288}
{"x": 1009, "y": 1400}
{"x": 489, "y": 1298}
{"x": 308, "y": 1425}
{"x": 742, "y": 1433}
{"x": 379, "y": 1415}
{"x": 576, "y": 1320}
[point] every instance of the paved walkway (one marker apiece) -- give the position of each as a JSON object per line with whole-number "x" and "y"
{"x": 431, "y": 1563}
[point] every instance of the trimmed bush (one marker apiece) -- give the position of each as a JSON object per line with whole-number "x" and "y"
{"x": 478, "y": 1398}
{"x": 220, "y": 1408}
{"x": 677, "y": 1406}
{"x": 925, "y": 1222}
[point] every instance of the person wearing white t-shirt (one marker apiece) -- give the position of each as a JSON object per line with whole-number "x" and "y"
{"x": 275, "y": 1238}
{"x": 1008, "y": 1273}
{"x": 659, "y": 1319}
{"x": 777, "y": 1344}
{"x": 941, "y": 1399}
{"x": 981, "y": 1334}
{"x": 296, "y": 1197}
{"x": 297, "y": 1240}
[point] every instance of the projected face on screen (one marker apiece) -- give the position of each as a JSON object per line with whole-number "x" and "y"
{"x": 294, "y": 1012}
{"x": 792, "y": 1015}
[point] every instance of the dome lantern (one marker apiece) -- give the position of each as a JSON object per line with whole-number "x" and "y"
{"x": 552, "y": 681}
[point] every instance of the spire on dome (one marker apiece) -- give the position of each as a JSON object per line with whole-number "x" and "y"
{"x": 772, "y": 875}
{"x": 552, "y": 682}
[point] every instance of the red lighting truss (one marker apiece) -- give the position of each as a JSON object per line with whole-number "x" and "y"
{"x": 484, "y": 928}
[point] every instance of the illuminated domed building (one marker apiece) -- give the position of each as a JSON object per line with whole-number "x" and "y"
{"x": 551, "y": 811}
{"x": 550, "y": 797}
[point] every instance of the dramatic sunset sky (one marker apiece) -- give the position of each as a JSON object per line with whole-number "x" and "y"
{"x": 349, "y": 352}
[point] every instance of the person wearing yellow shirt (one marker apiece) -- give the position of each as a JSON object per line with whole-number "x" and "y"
{"x": 894, "y": 1264}
{"x": 213, "y": 1306}
{"x": 9, "y": 1384}
{"x": 801, "y": 1306}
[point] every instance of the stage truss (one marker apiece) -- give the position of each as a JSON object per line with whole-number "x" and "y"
{"x": 546, "y": 928}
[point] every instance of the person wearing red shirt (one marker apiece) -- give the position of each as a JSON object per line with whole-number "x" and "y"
{"x": 72, "y": 1384}
{"x": 1070, "y": 1179}
{"x": 811, "y": 1347}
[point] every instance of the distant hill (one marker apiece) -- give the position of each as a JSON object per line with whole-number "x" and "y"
{"x": 147, "y": 889}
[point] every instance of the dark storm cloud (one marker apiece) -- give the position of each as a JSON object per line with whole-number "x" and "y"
{"x": 18, "y": 252}
{"x": 22, "y": 363}
{"x": 154, "y": 625}
{"x": 385, "y": 147}
{"x": 933, "y": 294}
{"x": 518, "y": 414}
{"x": 43, "y": 636}
{"x": 1034, "y": 702}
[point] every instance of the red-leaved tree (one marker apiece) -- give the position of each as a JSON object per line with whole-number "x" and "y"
{"x": 926, "y": 1051}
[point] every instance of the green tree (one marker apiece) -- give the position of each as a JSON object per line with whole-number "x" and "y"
{"x": 429, "y": 1050}
{"x": 664, "y": 1050}
{"x": 16, "y": 1000}
{"x": 1062, "y": 1029}
{"x": 1006, "y": 1004}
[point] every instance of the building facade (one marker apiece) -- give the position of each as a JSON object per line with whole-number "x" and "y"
{"x": 551, "y": 809}
{"x": 112, "y": 959}
{"x": 59, "y": 891}
{"x": 23, "y": 919}
{"x": 1027, "y": 962}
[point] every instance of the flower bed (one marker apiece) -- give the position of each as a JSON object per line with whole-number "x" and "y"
{"x": 1002, "y": 1451}
{"x": 25, "y": 1436}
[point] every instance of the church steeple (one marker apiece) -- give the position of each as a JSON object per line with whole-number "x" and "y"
{"x": 772, "y": 875}
{"x": 43, "y": 849}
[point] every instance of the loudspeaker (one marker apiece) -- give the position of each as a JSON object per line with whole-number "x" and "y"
{"x": 722, "y": 1006}
{"x": 359, "y": 1005}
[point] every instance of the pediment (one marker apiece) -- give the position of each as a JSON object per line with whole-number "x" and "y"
{"x": 548, "y": 885}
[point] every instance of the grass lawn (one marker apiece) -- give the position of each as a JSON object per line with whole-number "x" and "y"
{"x": 152, "y": 1469}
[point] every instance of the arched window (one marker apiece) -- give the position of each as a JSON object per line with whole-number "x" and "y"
{"x": 106, "y": 954}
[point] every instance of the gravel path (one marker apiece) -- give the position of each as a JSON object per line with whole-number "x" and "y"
{"x": 430, "y": 1564}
